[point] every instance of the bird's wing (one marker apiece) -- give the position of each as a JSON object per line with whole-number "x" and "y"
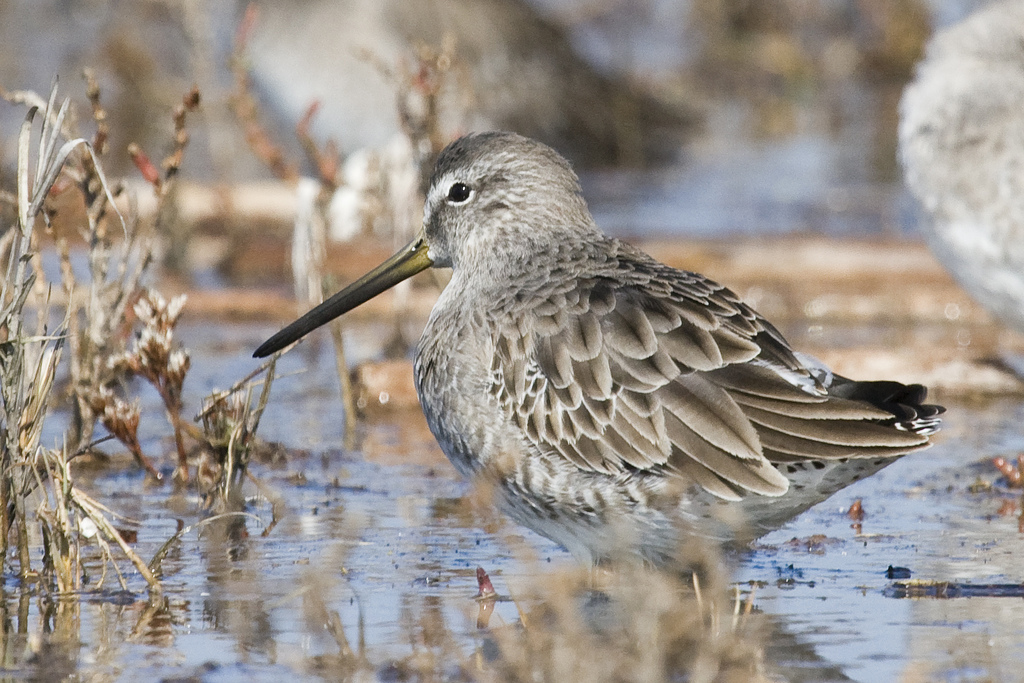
{"x": 671, "y": 371}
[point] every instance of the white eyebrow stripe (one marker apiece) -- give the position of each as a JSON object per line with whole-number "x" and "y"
{"x": 435, "y": 193}
{"x": 440, "y": 188}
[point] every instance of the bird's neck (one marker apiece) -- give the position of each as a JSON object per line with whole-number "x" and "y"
{"x": 511, "y": 281}
{"x": 525, "y": 256}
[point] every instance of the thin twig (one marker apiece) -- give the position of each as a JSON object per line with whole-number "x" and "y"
{"x": 154, "y": 564}
{"x": 91, "y": 508}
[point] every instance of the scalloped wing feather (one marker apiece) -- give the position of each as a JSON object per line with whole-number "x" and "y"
{"x": 650, "y": 367}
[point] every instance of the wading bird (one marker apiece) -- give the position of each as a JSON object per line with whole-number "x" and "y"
{"x": 616, "y": 405}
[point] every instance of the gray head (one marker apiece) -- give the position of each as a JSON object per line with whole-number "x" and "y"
{"x": 496, "y": 201}
{"x": 501, "y": 193}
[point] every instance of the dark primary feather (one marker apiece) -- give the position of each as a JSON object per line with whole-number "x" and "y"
{"x": 638, "y": 365}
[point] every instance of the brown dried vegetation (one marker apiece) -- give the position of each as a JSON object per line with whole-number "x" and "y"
{"x": 95, "y": 328}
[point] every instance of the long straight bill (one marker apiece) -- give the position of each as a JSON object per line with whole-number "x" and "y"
{"x": 410, "y": 260}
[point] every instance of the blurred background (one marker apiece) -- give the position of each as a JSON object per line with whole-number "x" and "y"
{"x": 704, "y": 129}
{"x": 696, "y": 117}
{"x": 751, "y": 140}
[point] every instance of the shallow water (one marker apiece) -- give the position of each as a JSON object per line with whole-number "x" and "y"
{"x": 383, "y": 535}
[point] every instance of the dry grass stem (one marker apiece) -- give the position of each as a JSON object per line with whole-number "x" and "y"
{"x": 229, "y": 423}
{"x": 28, "y": 362}
{"x": 158, "y": 557}
{"x": 96, "y": 327}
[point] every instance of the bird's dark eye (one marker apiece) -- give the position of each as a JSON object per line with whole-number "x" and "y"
{"x": 458, "y": 193}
